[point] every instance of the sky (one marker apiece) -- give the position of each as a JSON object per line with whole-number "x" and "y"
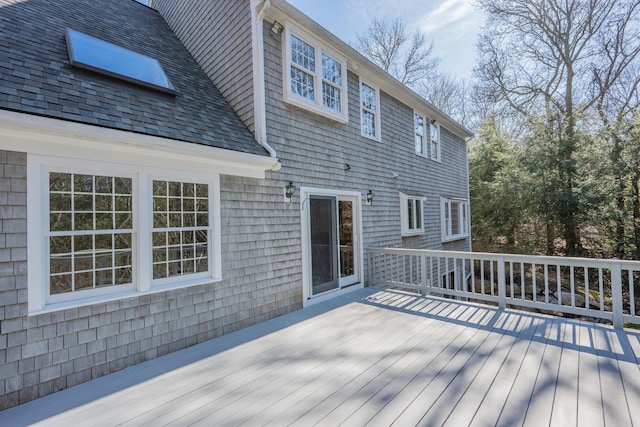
{"x": 453, "y": 25}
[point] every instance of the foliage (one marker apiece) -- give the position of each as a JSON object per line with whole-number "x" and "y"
{"x": 569, "y": 70}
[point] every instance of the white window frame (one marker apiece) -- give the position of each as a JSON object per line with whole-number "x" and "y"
{"x": 317, "y": 106}
{"x": 376, "y": 114}
{"x": 38, "y": 168}
{"x": 434, "y": 145}
{"x": 446, "y": 214}
{"x": 409, "y": 228}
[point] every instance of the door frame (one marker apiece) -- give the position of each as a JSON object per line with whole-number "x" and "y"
{"x": 356, "y": 196}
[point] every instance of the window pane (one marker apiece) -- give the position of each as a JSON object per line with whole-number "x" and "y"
{"x": 60, "y": 221}
{"x": 84, "y": 257}
{"x": 410, "y": 214}
{"x": 418, "y": 214}
{"x": 368, "y": 124}
{"x": 419, "y": 133}
{"x": 61, "y": 284}
{"x": 174, "y": 252}
{"x": 104, "y": 184}
{"x": 303, "y": 54}
{"x": 302, "y": 83}
{"x": 368, "y": 95}
{"x": 455, "y": 218}
{"x": 82, "y": 183}
{"x": 60, "y": 264}
{"x": 331, "y": 70}
{"x": 60, "y": 182}
{"x": 331, "y": 97}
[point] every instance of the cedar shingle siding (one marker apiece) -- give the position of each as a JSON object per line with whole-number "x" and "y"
{"x": 261, "y": 235}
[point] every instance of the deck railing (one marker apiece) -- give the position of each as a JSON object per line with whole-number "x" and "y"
{"x": 592, "y": 288}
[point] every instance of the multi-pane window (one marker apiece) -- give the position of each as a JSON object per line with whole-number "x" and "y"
{"x": 303, "y": 68}
{"x": 455, "y": 219}
{"x": 331, "y": 82}
{"x": 180, "y": 228}
{"x": 412, "y": 215}
{"x": 426, "y": 143}
{"x": 114, "y": 232}
{"x": 369, "y": 114}
{"x": 419, "y": 134}
{"x": 90, "y": 232}
{"x": 316, "y": 78}
{"x": 434, "y": 141}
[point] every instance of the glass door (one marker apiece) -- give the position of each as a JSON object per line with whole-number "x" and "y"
{"x": 333, "y": 242}
{"x": 324, "y": 253}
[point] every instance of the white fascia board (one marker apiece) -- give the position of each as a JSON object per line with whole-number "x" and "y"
{"x": 52, "y": 137}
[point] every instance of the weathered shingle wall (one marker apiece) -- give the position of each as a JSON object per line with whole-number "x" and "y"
{"x": 218, "y": 35}
{"x": 41, "y": 354}
{"x": 314, "y": 149}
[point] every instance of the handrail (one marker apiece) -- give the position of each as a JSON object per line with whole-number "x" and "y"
{"x": 594, "y": 288}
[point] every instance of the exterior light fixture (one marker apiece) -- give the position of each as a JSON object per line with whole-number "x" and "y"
{"x": 276, "y": 28}
{"x": 369, "y": 197}
{"x": 288, "y": 192}
{"x": 433, "y": 121}
{"x": 347, "y": 167}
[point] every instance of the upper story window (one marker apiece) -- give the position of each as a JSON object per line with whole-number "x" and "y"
{"x": 412, "y": 214}
{"x": 455, "y": 219}
{"x": 434, "y": 141}
{"x": 106, "y": 58}
{"x": 420, "y": 134}
{"x": 314, "y": 77}
{"x": 426, "y": 143}
{"x": 370, "y": 111}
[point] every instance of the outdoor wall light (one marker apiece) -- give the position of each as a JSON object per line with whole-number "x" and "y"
{"x": 276, "y": 28}
{"x": 433, "y": 121}
{"x": 288, "y": 191}
{"x": 369, "y": 197}
{"x": 347, "y": 167}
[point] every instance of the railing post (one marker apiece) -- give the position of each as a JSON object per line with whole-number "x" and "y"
{"x": 502, "y": 286}
{"x": 423, "y": 261}
{"x": 616, "y": 295}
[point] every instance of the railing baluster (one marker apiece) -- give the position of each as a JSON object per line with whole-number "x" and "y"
{"x": 513, "y": 289}
{"x": 632, "y": 299}
{"x": 482, "y": 277}
{"x": 546, "y": 283}
{"x": 473, "y": 276}
{"x": 533, "y": 276}
{"x": 522, "y": 285}
{"x": 573, "y": 288}
{"x": 601, "y": 288}
{"x": 586, "y": 288}
{"x": 492, "y": 277}
{"x": 559, "y": 284}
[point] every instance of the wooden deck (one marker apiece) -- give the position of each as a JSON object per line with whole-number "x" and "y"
{"x": 374, "y": 358}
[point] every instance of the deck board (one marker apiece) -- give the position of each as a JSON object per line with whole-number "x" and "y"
{"x": 376, "y": 358}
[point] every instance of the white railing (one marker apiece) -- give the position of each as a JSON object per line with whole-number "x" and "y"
{"x": 596, "y": 288}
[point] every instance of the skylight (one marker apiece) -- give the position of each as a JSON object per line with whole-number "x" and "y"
{"x": 100, "y": 56}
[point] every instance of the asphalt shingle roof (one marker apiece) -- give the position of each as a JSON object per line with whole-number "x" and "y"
{"x": 37, "y": 78}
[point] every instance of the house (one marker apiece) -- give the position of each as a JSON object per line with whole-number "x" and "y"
{"x": 171, "y": 174}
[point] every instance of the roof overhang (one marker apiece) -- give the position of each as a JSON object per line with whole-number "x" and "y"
{"x": 48, "y": 136}
{"x": 282, "y": 11}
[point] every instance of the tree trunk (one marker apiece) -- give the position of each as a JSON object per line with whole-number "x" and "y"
{"x": 636, "y": 211}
